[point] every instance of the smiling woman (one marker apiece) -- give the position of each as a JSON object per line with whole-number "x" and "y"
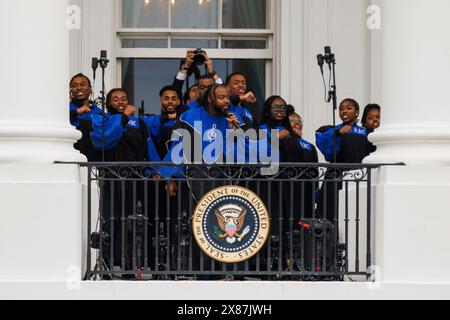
{"x": 345, "y": 143}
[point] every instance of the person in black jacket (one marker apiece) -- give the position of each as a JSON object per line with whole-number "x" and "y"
{"x": 161, "y": 129}
{"x": 295, "y": 149}
{"x": 190, "y": 95}
{"x": 81, "y": 109}
{"x": 161, "y": 126}
{"x": 349, "y": 142}
{"x": 125, "y": 139}
{"x": 299, "y": 185}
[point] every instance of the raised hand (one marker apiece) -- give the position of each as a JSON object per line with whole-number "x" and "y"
{"x": 189, "y": 58}
{"x": 249, "y": 97}
{"x": 172, "y": 188}
{"x": 346, "y": 129}
{"x": 84, "y": 109}
{"x": 283, "y": 134}
{"x": 129, "y": 110}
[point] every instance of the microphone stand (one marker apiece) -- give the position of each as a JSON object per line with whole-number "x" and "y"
{"x": 330, "y": 59}
{"x": 103, "y": 62}
{"x": 142, "y": 111}
{"x": 332, "y": 95}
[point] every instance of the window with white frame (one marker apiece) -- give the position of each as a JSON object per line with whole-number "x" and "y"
{"x": 153, "y": 35}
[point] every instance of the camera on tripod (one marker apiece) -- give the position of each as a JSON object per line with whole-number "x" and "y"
{"x": 185, "y": 229}
{"x": 274, "y": 242}
{"x": 96, "y": 238}
{"x": 139, "y": 220}
{"x": 314, "y": 241}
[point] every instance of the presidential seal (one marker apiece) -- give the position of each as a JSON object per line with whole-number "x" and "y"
{"x": 231, "y": 224}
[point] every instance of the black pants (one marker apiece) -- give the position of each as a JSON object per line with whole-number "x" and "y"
{"x": 328, "y": 202}
{"x": 128, "y": 219}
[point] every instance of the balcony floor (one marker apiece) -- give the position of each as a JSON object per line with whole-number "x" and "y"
{"x": 163, "y": 290}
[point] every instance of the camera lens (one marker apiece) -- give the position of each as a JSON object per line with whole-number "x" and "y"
{"x": 96, "y": 238}
{"x": 184, "y": 231}
{"x": 199, "y": 58}
{"x": 318, "y": 232}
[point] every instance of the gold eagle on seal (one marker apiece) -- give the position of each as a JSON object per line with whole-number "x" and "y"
{"x": 231, "y": 219}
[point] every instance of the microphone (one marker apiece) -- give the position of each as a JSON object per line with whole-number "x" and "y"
{"x": 103, "y": 59}
{"x": 320, "y": 61}
{"x": 228, "y": 114}
{"x": 94, "y": 65}
{"x": 329, "y": 57}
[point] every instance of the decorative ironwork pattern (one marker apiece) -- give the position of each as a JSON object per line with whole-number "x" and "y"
{"x": 143, "y": 221}
{"x": 306, "y": 172}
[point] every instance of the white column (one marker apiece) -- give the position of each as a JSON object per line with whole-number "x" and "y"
{"x": 415, "y": 72}
{"x": 412, "y": 215}
{"x": 40, "y": 202}
{"x": 34, "y": 76}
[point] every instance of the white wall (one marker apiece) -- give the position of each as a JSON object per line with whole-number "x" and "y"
{"x": 97, "y": 33}
{"x": 40, "y": 233}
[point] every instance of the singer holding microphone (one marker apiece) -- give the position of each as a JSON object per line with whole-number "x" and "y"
{"x": 209, "y": 125}
{"x": 216, "y": 120}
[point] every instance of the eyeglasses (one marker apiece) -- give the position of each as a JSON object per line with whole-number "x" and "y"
{"x": 281, "y": 107}
{"x": 296, "y": 120}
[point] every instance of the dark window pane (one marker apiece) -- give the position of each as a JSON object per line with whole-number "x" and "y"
{"x": 144, "y": 43}
{"x": 143, "y": 78}
{"x": 197, "y": 14}
{"x": 145, "y": 14}
{"x": 194, "y": 43}
{"x": 244, "y": 44}
{"x": 244, "y": 14}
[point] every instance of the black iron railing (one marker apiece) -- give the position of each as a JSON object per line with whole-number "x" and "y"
{"x": 320, "y": 222}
